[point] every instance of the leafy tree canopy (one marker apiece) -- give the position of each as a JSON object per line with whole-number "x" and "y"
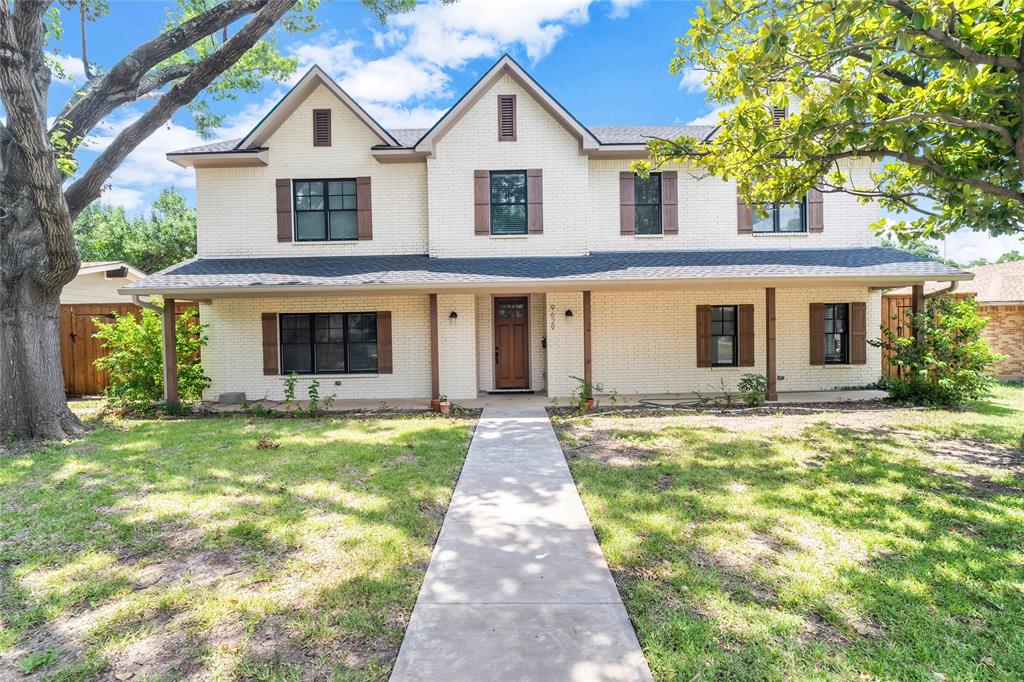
{"x": 929, "y": 89}
{"x": 163, "y": 237}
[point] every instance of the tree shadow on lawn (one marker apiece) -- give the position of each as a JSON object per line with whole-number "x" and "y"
{"x": 828, "y": 552}
{"x": 176, "y": 548}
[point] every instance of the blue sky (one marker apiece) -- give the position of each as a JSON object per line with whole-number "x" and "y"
{"x": 605, "y": 60}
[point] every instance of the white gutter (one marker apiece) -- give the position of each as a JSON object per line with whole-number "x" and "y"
{"x": 945, "y": 290}
{"x": 137, "y": 300}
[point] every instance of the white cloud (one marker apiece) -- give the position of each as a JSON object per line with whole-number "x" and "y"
{"x": 395, "y": 79}
{"x": 711, "y": 118}
{"x": 693, "y": 81}
{"x": 620, "y": 8}
{"x": 391, "y": 116}
{"x": 73, "y": 68}
{"x": 965, "y": 245}
{"x": 129, "y": 199}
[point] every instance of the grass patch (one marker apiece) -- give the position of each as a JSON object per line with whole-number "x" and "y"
{"x": 881, "y": 544}
{"x": 221, "y": 548}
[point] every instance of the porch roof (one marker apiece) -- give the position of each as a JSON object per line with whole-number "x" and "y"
{"x": 211, "y": 277}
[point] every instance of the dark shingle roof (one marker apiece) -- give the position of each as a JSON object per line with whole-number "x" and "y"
{"x": 413, "y": 270}
{"x": 407, "y": 137}
{"x": 641, "y": 134}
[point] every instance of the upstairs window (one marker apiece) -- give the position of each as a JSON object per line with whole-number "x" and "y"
{"x": 331, "y": 343}
{"x": 508, "y": 202}
{"x": 723, "y": 336}
{"x": 506, "y": 118}
{"x": 776, "y": 217}
{"x": 647, "y": 195}
{"x": 325, "y": 210}
{"x": 837, "y": 333}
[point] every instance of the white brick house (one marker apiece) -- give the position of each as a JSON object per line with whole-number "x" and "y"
{"x": 509, "y": 247}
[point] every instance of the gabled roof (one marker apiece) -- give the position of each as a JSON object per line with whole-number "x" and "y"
{"x": 94, "y": 266}
{"x": 506, "y": 66}
{"x": 1000, "y": 283}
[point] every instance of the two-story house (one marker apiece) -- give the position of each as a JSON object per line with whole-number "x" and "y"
{"x": 509, "y": 248}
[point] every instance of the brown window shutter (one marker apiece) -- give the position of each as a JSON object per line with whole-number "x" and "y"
{"x": 669, "y": 201}
{"x": 815, "y": 211}
{"x": 744, "y": 217}
{"x": 270, "y": 366}
{"x": 506, "y": 118}
{"x": 482, "y": 202}
{"x": 858, "y": 333}
{"x": 284, "y": 209}
{"x": 817, "y": 333}
{"x": 321, "y": 127}
{"x": 534, "y": 201}
{"x": 364, "y": 209}
{"x": 627, "y": 203}
{"x": 745, "y": 331}
{"x": 384, "y": 363}
{"x": 703, "y": 336}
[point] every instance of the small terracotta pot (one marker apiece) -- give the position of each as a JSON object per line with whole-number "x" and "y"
{"x": 435, "y": 405}
{"x": 446, "y": 409}
{"x": 590, "y": 404}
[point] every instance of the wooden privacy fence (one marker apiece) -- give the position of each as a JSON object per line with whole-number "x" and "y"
{"x": 896, "y": 315}
{"x": 79, "y": 349}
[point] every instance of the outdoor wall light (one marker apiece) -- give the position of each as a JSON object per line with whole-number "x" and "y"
{"x": 568, "y": 313}
{"x": 453, "y": 315}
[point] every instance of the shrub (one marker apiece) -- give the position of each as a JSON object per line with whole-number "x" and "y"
{"x": 952, "y": 363}
{"x": 753, "y": 388}
{"x": 135, "y": 358}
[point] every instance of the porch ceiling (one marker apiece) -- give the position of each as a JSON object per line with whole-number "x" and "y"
{"x": 874, "y": 266}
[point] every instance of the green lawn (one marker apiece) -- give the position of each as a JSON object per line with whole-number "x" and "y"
{"x": 856, "y": 545}
{"x": 221, "y": 548}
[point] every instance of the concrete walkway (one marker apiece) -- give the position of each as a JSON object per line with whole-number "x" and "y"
{"x": 517, "y": 588}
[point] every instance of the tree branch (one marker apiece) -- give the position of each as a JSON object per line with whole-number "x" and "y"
{"x": 121, "y": 84}
{"x": 87, "y": 188}
{"x": 26, "y": 116}
{"x": 946, "y": 39}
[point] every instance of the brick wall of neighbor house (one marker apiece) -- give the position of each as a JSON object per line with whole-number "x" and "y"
{"x": 707, "y": 215}
{"x": 237, "y": 210}
{"x": 485, "y": 341}
{"x": 645, "y": 341}
{"x": 233, "y": 358}
{"x": 1005, "y": 334}
{"x": 457, "y": 346}
{"x": 472, "y": 144}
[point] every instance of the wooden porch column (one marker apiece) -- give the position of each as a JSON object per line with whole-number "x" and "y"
{"x": 917, "y": 306}
{"x": 588, "y": 370}
{"x": 435, "y": 376}
{"x": 170, "y": 353}
{"x": 770, "y": 370}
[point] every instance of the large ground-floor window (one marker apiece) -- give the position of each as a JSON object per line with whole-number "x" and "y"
{"x": 328, "y": 343}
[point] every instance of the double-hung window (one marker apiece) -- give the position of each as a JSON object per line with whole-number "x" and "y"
{"x": 837, "y": 334}
{"x": 776, "y": 217}
{"x": 329, "y": 343}
{"x": 647, "y": 195}
{"x": 325, "y": 210}
{"x": 508, "y": 202}
{"x": 723, "y": 336}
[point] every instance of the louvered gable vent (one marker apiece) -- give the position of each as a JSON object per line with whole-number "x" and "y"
{"x": 506, "y": 118}
{"x": 321, "y": 127}
{"x": 779, "y": 113}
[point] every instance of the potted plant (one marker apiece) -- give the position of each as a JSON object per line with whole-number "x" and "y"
{"x": 435, "y": 405}
{"x": 583, "y": 396}
{"x": 444, "y": 406}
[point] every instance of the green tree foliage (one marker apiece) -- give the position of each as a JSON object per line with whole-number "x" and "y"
{"x": 950, "y": 365}
{"x": 1010, "y": 257}
{"x": 151, "y": 242}
{"x": 135, "y": 358}
{"x": 930, "y": 89}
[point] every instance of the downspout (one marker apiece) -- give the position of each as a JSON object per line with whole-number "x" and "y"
{"x": 137, "y": 300}
{"x": 940, "y": 292}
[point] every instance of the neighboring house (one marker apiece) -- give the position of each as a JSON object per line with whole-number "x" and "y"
{"x": 510, "y": 247}
{"x": 999, "y": 291}
{"x": 91, "y": 294}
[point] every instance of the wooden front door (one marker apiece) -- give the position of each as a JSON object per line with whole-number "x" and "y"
{"x": 511, "y": 342}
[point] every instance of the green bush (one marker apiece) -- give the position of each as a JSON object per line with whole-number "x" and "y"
{"x": 951, "y": 365}
{"x": 753, "y": 388}
{"x": 135, "y": 358}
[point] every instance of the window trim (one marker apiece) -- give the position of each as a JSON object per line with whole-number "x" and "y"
{"x": 773, "y": 211}
{"x": 326, "y": 210}
{"x": 312, "y": 344}
{"x": 525, "y": 204}
{"x": 844, "y": 335}
{"x": 637, "y": 205}
{"x": 735, "y": 336}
